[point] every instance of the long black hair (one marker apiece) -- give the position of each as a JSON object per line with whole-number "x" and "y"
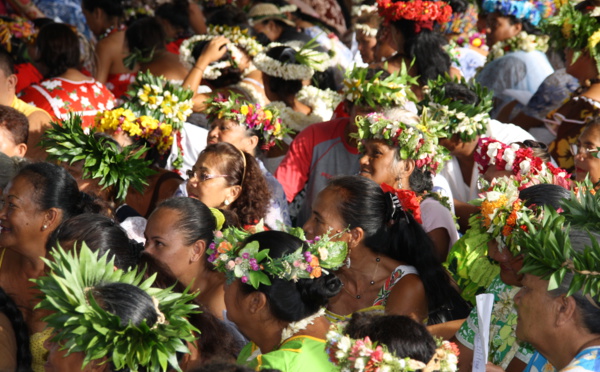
{"x": 392, "y": 232}
{"x": 9, "y": 308}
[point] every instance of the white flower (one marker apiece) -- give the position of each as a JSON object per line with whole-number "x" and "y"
{"x": 509, "y": 157}
{"x": 85, "y": 101}
{"x": 359, "y": 364}
{"x": 84, "y": 89}
{"x": 525, "y": 166}
{"x": 51, "y": 84}
{"x": 493, "y": 151}
{"x": 74, "y": 97}
{"x": 96, "y": 89}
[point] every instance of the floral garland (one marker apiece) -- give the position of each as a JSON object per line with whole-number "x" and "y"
{"x": 239, "y": 37}
{"x": 295, "y": 120}
{"x": 251, "y": 264}
{"x": 322, "y": 102}
{"x": 158, "y": 135}
{"x": 67, "y": 142}
{"x": 363, "y": 355}
{"x": 522, "y": 41}
{"x": 307, "y": 61}
{"x": 408, "y": 200}
{"x": 367, "y": 30}
{"x": 532, "y": 11}
{"x": 405, "y": 135}
{"x": 424, "y": 13}
{"x": 475, "y": 39}
{"x": 295, "y": 327}
{"x": 16, "y": 28}
{"x": 375, "y": 92}
{"x": 213, "y": 70}
{"x": 82, "y": 325}
{"x": 525, "y": 166}
{"x": 265, "y": 121}
{"x": 572, "y": 29}
{"x": 359, "y": 10}
{"x": 446, "y": 117}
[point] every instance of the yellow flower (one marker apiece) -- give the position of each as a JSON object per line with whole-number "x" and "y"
{"x": 277, "y": 130}
{"x": 593, "y": 40}
{"x": 566, "y": 28}
{"x": 244, "y": 110}
{"x": 268, "y": 114}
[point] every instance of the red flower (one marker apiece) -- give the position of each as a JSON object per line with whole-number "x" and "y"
{"x": 408, "y": 199}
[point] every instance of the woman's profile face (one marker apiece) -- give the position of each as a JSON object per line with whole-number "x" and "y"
{"x": 586, "y": 161}
{"x": 499, "y": 28}
{"x": 165, "y": 242}
{"x": 535, "y": 311}
{"x": 366, "y": 46}
{"x": 510, "y": 265}
{"x": 325, "y": 216}
{"x": 379, "y": 163}
{"x": 21, "y": 219}
{"x": 233, "y": 295}
{"x": 209, "y": 182}
{"x": 225, "y": 130}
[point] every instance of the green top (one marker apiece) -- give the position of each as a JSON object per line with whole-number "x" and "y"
{"x": 296, "y": 354}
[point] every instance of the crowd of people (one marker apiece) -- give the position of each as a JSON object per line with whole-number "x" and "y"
{"x": 324, "y": 185}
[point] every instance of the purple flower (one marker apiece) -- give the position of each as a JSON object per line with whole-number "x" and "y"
{"x": 212, "y": 258}
{"x": 317, "y": 238}
{"x": 252, "y": 261}
{"x": 307, "y": 256}
{"x": 309, "y": 268}
{"x": 246, "y": 255}
{"x": 244, "y": 279}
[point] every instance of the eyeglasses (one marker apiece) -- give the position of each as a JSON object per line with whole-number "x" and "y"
{"x": 576, "y": 150}
{"x": 203, "y": 176}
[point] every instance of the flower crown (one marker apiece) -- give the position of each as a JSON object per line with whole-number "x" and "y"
{"x": 532, "y": 11}
{"x": 239, "y": 37}
{"x": 572, "y": 29}
{"x": 406, "y": 199}
{"x": 67, "y": 142}
{"x": 394, "y": 90}
{"x": 213, "y": 70}
{"x": 550, "y": 255}
{"x": 446, "y": 117}
{"x": 263, "y": 120}
{"x": 307, "y": 61}
{"x": 525, "y": 166}
{"x": 350, "y": 355}
{"x": 16, "y": 28}
{"x": 169, "y": 103}
{"x": 423, "y": 13}
{"x": 406, "y": 136}
{"x": 366, "y": 29}
{"x": 158, "y": 135}
{"x": 84, "y": 326}
{"x": 252, "y": 264}
{"x": 460, "y": 23}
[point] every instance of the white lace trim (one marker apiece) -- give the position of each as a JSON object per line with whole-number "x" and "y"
{"x": 295, "y": 327}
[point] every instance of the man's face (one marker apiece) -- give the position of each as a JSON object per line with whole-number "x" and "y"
{"x": 7, "y": 88}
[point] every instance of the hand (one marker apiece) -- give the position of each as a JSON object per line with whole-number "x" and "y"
{"x": 489, "y": 367}
{"x": 213, "y": 51}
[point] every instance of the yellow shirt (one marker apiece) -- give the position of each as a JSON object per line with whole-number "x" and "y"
{"x": 25, "y": 108}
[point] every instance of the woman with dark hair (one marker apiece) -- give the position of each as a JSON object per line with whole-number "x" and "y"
{"x": 65, "y": 89}
{"x": 147, "y": 42}
{"x": 105, "y": 18}
{"x": 228, "y": 178}
{"x": 15, "y": 354}
{"x": 516, "y": 64}
{"x": 178, "y": 234}
{"x": 412, "y": 38}
{"x": 280, "y": 310}
{"x": 391, "y": 261}
{"x": 35, "y": 203}
{"x": 399, "y": 156}
{"x": 585, "y": 152}
{"x": 174, "y": 17}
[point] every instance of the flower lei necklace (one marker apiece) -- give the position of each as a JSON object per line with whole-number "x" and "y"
{"x": 295, "y": 327}
{"x": 522, "y": 41}
{"x": 111, "y": 30}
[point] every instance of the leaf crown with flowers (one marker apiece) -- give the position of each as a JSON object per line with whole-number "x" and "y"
{"x": 550, "y": 255}
{"x": 363, "y": 355}
{"x": 212, "y": 71}
{"x": 251, "y": 263}
{"x": 302, "y": 66}
{"x": 394, "y": 90}
{"x": 521, "y": 161}
{"x": 524, "y": 10}
{"x": 81, "y": 325}
{"x": 406, "y": 136}
{"x": 67, "y": 142}
{"x": 447, "y": 116}
{"x": 265, "y": 121}
{"x": 573, "y": 29}
{"x": 238, "y": 36}
{"x": 423, "y": 13}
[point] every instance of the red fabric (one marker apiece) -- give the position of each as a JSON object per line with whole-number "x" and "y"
{"x": 408, "y": 199}
{"x": 60, "y": 97}
{"x": 119, "y": 83}
{"x": 173, "y": 46}
{"x": 27, "y": 75}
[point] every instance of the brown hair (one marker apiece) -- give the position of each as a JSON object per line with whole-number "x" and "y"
{"x": 252, "y": 204}
{"x": 16, "y": 123}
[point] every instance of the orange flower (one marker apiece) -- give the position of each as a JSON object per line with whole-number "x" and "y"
{"x": 314, "y": 262}
{"x": 506, "y": 230}
{"x": 223, "y": 247}
{"x": 316, "y": 273}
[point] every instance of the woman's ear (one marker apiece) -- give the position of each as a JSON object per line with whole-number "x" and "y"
{"x": 256, "y": 302}
{"x": 52, "y": 217}
{"x": 197, "y": 251}
{"x": 233, "y": 192}
{"x": 250, "y": 144}
{"x": 566, "y": 309}
{"x": 357, "y": 235}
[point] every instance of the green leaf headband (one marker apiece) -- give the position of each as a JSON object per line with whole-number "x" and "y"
{"x": 79, "y": 321}
{"x": 251, "y": 263}
{"x": 447, "y": 117}
{"x": 263, "y": 120}
{"x": 67, "y": 142}
{"x": 394, "y": 90}
{"x": 572, "y": 29}
{"x": 550, "y": 255}
{"x": 405, "y": 135}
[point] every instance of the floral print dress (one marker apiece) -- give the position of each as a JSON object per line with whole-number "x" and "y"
{"x": 61, "y": 97}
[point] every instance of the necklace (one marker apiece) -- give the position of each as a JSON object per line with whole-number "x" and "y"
{"x": 522, "y": 41}
{"x": 371, "y": 282}
{"x": 295, "y": 327}
{"x": 110, "y": 30}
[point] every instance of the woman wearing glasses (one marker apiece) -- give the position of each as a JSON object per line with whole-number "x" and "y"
{"x": 226, "y": 177}
{"x": 586, "y": 154}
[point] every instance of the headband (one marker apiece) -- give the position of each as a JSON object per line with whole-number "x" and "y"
{"x": 219, "y": 217}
